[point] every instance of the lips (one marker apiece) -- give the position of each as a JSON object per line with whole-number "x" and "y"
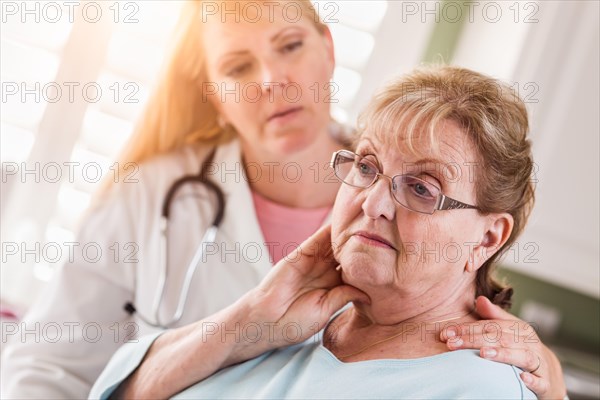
{"x": 374, "y": 238}
{"x": 284, "y": 112}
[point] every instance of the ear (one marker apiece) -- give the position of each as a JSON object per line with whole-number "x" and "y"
{"x": 497, "y": 232}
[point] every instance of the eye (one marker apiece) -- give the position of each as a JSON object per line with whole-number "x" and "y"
{"x": 420, "y": 188}
{"x": 290, "y": 47}
{"x": 238, "y": 70}
{"x": 365, "y": 168}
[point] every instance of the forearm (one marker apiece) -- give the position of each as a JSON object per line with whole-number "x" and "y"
{"x": 182, "y": 357}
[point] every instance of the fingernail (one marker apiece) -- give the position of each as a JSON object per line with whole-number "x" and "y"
{"x": 526, "y": 378}
{"x": 450, "y": 333}
{"x": 456, "y": 343}
{"x": 490, "y": 353}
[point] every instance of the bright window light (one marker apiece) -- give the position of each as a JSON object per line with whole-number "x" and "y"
{"x": 16, "y": 143}
{"x": 352, "y": 46}
{"x": 43, "y": 33}
{"x": 43, "y": 271}
{"x": 27, "y": 63}
{"x": 339, "y": 114}
{"x": 347, "y": 82}
{"x": 104, "y": 133}
{"x": 124, "y": 97}
{"x": 90, "y": 169}
{"x": 71, "y": 205}
{"x": 365, "y": 15}
{"x": 133, "y": 57}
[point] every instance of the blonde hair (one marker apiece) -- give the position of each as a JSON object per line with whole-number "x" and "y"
{"x": 178, "y": 112}
{"x": 495, "y": 120}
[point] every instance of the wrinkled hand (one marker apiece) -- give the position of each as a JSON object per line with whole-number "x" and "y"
{"x": 301, "y": 293}
{"x": 502, "y": 337}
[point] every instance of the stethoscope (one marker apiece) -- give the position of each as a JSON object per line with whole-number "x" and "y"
{"x": 209, "y": 237}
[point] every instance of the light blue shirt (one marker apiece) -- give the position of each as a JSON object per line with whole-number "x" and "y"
{"x": 309, "y": 370}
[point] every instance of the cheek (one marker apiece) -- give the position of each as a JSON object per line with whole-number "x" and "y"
{"x": 237, "y": 105}
{"x": 437, "y": 243}
{"x": 414, "y": 229}
{"x": 421, "y": 237}
{"x": 346, "y": 208}
{"x": 313, "y": 78}
{"x": 241, "y": 114}
{"x": 339, "y": 215}
{"x": 250, "y": 94}
{"x": 318, "y": 89}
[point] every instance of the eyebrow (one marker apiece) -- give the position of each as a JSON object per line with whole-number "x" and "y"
{"x": 285, "y": 30}
{"x": 367, "y": 140}
{"x": 428, "y": 160}
{"x": 419, "y": 162}
{"x": 422, "y": 161}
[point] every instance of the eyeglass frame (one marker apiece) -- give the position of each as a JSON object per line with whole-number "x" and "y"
{"x": 443, "y": 202}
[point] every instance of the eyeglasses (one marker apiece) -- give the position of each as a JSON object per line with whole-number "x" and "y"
{"x": 411, "y": 192}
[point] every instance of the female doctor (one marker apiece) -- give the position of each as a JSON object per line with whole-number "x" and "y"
{"x": 247, "y": 101}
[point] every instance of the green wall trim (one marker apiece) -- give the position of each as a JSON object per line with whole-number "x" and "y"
{"x": 580, "y": 324}
{"x": 446, "y": 33}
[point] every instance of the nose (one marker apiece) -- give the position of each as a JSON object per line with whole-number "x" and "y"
{"x": 379, "y": 201}
{"x": 274, "y": 75}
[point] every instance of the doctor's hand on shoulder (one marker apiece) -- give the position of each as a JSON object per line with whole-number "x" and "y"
{"x": 502, "y": 337}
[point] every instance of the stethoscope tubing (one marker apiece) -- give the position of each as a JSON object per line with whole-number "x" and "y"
{"x": 208, "y": 237}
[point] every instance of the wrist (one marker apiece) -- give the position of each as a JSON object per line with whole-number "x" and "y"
{"x": 236, "y": 331}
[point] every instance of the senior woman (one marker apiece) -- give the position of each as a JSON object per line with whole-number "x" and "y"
{"x": 438, "y": 186}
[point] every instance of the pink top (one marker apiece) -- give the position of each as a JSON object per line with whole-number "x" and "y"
{"x": 284, "y": 228}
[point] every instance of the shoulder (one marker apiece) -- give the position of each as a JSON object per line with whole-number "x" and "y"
{"x": 164, "y": 168}
{"x": 481, "y": 377}
{"x": 134, "y": 199}
{"x": 275, "y": 374}
{"x": 150, "y": 179}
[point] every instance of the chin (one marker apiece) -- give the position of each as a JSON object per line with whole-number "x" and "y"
{"x": 365, "y": 269}
{"x": 291, "y": 142}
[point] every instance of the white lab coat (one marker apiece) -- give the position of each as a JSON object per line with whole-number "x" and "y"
{"x": 81, "y": 317}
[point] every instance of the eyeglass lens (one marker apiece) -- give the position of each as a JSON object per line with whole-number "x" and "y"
{"x": 411, "y": 192}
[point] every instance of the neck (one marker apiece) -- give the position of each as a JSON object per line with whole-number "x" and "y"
{"x": 395, "y": 304}
{"x": 368, "y": 316}
{"x": 364, "y": 332}
{"x": 301, "y": 179}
